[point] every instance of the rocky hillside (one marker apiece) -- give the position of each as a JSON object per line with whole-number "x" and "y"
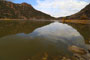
{"x": 84, "y": 14}
{"x": 9, "y": 10}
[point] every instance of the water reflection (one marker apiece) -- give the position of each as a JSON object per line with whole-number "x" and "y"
{"x": 84, "y": 30}
{"x": 56, "y": 32}
{"x": 53, "y": 38}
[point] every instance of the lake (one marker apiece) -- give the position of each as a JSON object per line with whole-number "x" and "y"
{"x": 34, "y": 40}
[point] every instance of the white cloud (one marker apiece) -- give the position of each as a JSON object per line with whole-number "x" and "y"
{"x": 59, "y": 8}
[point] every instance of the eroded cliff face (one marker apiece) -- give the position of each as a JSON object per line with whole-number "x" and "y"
{"x": 9, "y": 10}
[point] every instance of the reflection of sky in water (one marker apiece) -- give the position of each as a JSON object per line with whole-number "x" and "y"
{"x": 57, "y": 32}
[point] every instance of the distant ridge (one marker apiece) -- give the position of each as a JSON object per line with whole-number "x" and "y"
{"x": 9, "y": 10}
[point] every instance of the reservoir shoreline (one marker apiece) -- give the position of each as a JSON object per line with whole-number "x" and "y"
{"x": 63, "y": 21}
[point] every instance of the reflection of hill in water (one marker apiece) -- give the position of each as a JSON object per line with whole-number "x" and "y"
{"x": 84, "y": 30}
{"x": 14, "y": 27}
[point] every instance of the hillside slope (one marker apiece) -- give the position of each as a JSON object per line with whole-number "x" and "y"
{"x": 9, "y": 10}
{"x": 84, "y": 14}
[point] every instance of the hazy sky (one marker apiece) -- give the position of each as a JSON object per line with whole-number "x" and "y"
{"x": 57, "y": 8}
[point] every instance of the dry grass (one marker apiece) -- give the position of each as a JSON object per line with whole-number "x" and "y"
{"x": 77, "y": 21}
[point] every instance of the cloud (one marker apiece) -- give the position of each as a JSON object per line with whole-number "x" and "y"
{"x": 59, "y": 8}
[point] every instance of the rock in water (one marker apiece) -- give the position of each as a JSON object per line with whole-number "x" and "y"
{"x": 77, "y": 50}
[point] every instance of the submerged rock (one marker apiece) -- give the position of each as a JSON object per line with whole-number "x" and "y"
{"x": 64, "y": 58}
{"x": 77, "y": 50}
{"x": 80, "y": 53}
{"x": 89, "y": 51}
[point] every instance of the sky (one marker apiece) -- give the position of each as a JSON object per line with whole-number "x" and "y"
{"x": 57, "y": 8}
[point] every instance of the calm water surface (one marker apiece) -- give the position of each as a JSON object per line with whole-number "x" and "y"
{"x": 30, "y": 40}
